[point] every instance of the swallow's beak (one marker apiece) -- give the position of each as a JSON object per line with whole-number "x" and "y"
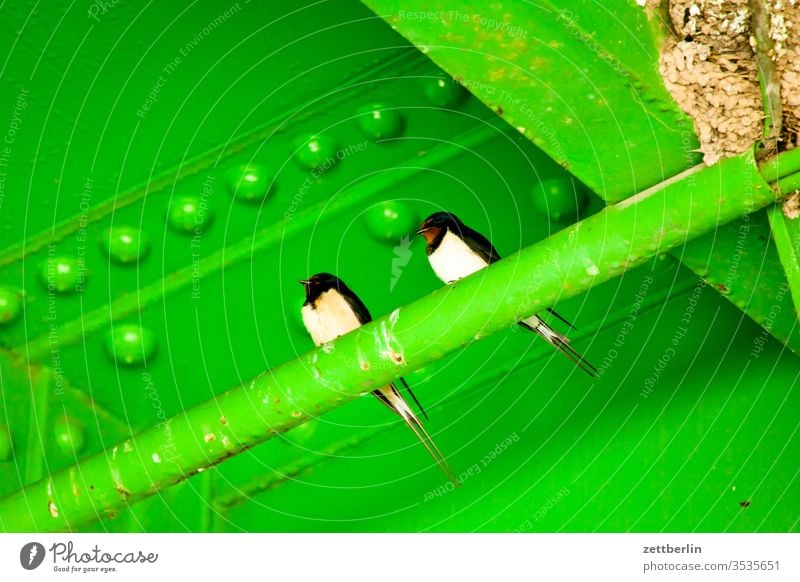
{"x": 304, "y": 282}
{"x": 421, "y": 230}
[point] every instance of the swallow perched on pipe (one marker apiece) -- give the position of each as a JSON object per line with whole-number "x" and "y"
{"x": 331, "y": 310}
{"x": 455, "y": 251}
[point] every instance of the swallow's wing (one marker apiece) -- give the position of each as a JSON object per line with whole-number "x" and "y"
{"x": 480, "y": 245}
{"x": 358, "y": 307}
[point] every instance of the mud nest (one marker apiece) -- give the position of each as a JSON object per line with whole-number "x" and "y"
{"x": 709, "y": 66}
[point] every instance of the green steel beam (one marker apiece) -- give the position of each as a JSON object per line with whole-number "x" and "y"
{"x": 788, "y": 184}
{"x": 591, "y": 96}
{"x": 781, "y": 166}
{"x": 740, "y": 261}
{"x": 586, "y": 254}
{"x": 786, "y": 233}
{"x": 580, "y": 79}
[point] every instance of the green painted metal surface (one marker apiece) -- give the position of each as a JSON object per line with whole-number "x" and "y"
{"x": 786, "y": 234}
{"x": 581, "y": 80}
{"x": 174, "y": 171}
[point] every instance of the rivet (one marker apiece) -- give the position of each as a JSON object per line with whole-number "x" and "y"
{"x": 391, "y": 220}
{"x": 10, "y": 305}
{"x": 380, "y": 122}
{"x": 69, "y": 436}
{"x": 250, "y": 183}
{"x": 316, "y": 152}
{"x": 558, "y": 199}
{"x": 443, "y": 91}
{"x": 62, "y": 274}
{"x": 125, "y": 244}
{"x": 131, "y": 344}
{"x": 189, "y": 215}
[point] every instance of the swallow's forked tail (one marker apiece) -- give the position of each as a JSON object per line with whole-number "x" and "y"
{"x": 414, "y": 396}
{"x": 558, "y": 341}
{"x": 392, "y": 398}
{"x": 554, "y": 313}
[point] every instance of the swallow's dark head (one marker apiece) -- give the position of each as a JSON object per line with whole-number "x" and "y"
{"x": 317, "y": 284}
{"x": 439, "y": 223}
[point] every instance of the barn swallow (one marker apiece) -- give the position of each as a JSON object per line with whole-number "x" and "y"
{"x": 331, "y": 309}
{"x": 455, "y": 251}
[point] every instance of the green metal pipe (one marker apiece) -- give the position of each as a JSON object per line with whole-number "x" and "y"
{"x": 788, "y": 184}
{"x": 783, "y": 164}
{"x": 588, "y": 253}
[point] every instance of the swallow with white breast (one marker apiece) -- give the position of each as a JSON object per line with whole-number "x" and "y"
{"x": 331, "y": 310}
{"x": 455, "y": 251}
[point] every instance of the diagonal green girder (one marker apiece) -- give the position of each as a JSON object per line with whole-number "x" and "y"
{"x": 581, "y": 80}
{"x": 586, "y": 254}
{"x": 786, "y": 233}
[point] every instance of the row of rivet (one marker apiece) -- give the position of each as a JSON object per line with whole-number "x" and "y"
{"x": 68, "y": 435}
{"x": 387, "y": 221}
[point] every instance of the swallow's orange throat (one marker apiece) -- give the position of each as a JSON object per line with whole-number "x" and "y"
{"x": 431, "y": 233}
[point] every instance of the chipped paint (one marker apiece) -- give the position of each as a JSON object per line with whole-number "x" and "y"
{"x": 156, "y": 458}
{"x": 386, "y": 340}
{"x": 127, "y": 447}
{"x": 226, "y": 442}
{"x": 51, "y": 507}
{"x": 209, "y": 437}
{"x": 363, "y": 363}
